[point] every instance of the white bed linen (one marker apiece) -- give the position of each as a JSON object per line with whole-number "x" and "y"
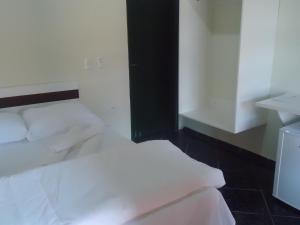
{"x": 206, "y": 207}
{"x": 110, "y": 188}
{"x": 21, "y": 156}
{"x": 99, "y": 143}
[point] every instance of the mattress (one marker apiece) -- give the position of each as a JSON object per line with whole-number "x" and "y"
{"x": 206, "y": 207}
{"x": 132, "y": 184}
{"x": 21, "y": 156}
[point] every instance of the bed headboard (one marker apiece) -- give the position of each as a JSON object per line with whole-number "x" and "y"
{"x": 35, "y": 94}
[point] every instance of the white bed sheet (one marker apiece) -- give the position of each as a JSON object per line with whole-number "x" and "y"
{"x": 98, "y": 143}
{"x": 206, "y": 207}
{"x": 116, "y": 186}
{"x": 22, "y": 156}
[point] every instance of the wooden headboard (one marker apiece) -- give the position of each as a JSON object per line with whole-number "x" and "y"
{"x": 35, "y": 94}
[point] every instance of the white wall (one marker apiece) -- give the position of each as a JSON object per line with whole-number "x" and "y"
{"x": 47, "y": 40}
{"x": 208, "y": 67}
{"x": 286, "y": 71}
{"x": 258, "y": 37}
{"x": 286, "y": 77}
{"x": 194, "y": 47}
{"x": 18, "y": 55}
{"x": 226, "y": 24}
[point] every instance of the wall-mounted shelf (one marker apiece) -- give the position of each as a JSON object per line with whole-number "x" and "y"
{"x": 212, "y": 117}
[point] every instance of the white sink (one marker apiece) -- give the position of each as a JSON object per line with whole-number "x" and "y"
{"x": 287, "y": 106}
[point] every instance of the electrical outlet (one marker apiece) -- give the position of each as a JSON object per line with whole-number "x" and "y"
{"x": 86, "y": 63}
{"x": 99, "y": 62}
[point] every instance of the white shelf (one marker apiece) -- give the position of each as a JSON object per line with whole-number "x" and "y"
{"x": 220, "y": 119}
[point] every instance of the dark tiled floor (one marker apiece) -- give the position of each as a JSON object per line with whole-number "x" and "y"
{"x": 248, "y": 192}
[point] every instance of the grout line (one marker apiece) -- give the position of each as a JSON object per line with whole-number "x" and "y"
{"x": 267, "y": 206}
{"x": 242, "y": 189}
{"x": 247, "y": 213}
{"x": 290, "y": 217}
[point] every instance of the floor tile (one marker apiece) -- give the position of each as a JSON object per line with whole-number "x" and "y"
{"x": 286, "y": 221}
{"x": 278, "y": 208}
{"x": 247, "y": 201}
{"x": 252, "y": 219}
{"x": 232, "y": 162}
{"x": 248, "y": 192}
{"x": 241, "y": 180}
{"x": 179, "y": 140}
{"x": 264, "y": 178}
{"x": 203, "y": 152}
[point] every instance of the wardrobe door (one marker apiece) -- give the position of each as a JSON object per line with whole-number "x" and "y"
{"x": 153, "y": 58}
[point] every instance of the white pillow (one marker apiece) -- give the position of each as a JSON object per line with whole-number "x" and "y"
{"x": 12, "y": 128}
{"x": 58, "y": 118}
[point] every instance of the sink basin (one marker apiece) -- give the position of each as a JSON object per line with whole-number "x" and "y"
{"x": 287, "y": 106}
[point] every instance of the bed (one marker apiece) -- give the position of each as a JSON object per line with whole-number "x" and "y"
{"x": 107, "y": 179}
{"x": 23, "y": 155}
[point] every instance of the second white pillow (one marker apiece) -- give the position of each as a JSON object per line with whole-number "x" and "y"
{"x": 58, "y": 118}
